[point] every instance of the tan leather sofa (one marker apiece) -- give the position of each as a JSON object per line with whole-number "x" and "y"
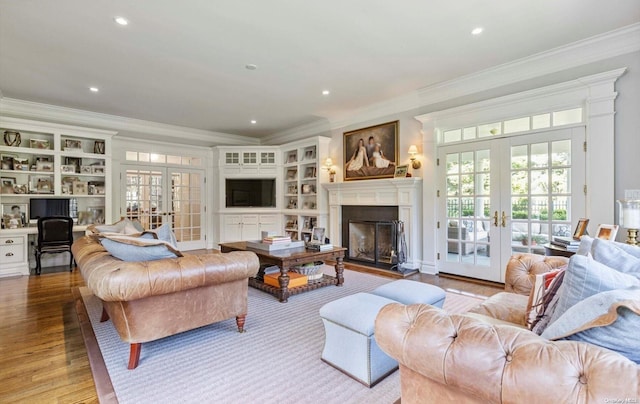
{"x": 151, "y": 300}
{"x": 487, "y": 357}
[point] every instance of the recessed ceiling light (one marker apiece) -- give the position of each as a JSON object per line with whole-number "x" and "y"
{"x": 250, "y": 66}
{"x": 94, "y": 89}
{"x": 477, "y": 31}
{"x": 121, "y": 20}
{"x": 253, "y": 122}
{"x": 326, "y": 92}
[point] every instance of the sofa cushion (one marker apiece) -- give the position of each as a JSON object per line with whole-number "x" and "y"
{"x": 586, "y": 277}
{"x": 505, "y": 306}
{"x": 616, "y": 256}
{"x": 165, "y": 233}
{"x": 137, "y": 249}
{"x": 609, "y": 319}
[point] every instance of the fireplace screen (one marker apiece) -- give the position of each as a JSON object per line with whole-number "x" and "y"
{"x": 372, "y": 241}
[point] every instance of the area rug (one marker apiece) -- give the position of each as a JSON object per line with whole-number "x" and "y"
{"x": 277, "y": 359}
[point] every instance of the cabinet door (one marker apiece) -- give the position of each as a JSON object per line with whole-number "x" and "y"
{"x": 232, "y": 228}
{"x": 232, "y": 158}
{"x": 267, "y": 158}
{"x": 270, "y": 223}
{"x": 250, "y": 158}
{"x": 250, "y": 227}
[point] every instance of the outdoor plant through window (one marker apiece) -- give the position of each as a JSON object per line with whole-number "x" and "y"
{"x": 540, "y": 193}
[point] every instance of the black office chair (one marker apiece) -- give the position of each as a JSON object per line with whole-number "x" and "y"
{"x": 55, "y": 235}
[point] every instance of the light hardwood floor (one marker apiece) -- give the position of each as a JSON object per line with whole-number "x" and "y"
{"x": 42, "y": 354}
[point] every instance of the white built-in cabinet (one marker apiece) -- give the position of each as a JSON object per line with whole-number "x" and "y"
{"x": 301, "y": 201}
{"x": 50, "y": 161}
{"x": 249, "y": 227}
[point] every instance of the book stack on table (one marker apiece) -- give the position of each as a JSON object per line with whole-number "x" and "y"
{"x": 276, "y": 240}
{"x": 569, "y": 243}
{"x": 319, "y": 247}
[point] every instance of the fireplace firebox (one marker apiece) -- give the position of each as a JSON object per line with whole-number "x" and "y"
{"x": 369, "y": 233}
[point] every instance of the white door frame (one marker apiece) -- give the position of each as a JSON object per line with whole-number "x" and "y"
{"x": 596, "y": 93}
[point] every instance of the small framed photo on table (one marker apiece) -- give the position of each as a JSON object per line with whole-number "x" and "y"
{"x": 401, "y": 171}
{"x": 607, "y": 232}
{"x": 317, "y": 235}
{"x": 581, "y": 228}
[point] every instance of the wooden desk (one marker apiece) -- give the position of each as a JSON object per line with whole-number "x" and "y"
{"x": 286, "y": 259}
{"x": 557, "y": 251}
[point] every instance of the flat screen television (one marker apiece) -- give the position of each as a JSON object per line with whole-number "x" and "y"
{"x": 47, "y": 207}
{"x": 250, "y": 193}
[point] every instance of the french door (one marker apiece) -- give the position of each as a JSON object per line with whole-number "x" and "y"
{"x": 159, "y": 195}
{"x": 506, "y": 196}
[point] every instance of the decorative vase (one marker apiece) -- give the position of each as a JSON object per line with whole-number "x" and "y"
{"x": 12, "y": 138}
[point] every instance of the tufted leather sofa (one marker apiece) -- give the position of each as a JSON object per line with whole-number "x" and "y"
{"x": 488, "y": 357}
{"x": 154, "y": 299}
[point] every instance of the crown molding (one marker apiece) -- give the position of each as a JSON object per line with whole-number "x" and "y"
{"x": 319, "y": 127}
{"x": 600, "y": 47}
{"x": 131, "y": 126}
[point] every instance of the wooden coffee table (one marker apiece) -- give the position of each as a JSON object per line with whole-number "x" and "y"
{"x": 286, "y": 259}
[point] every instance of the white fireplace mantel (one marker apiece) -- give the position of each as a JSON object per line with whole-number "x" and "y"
{"x": 405, "y": 193}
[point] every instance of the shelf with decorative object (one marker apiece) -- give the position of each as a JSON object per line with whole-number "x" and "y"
{"x": 43, "y": 166}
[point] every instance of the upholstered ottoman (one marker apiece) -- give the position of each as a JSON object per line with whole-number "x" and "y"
{"x": 411, "y": 292}
{"x": 349, "y": 343}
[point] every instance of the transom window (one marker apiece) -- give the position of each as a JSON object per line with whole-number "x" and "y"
{"x": 516, "y": 125}
{"x": 159, "y": 158}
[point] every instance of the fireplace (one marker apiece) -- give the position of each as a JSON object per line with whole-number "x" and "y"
{"x": 369, "y": 234}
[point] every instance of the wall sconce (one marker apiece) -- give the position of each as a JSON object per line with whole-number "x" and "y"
{"x": 630, "y": 219}
{"x": 413, "y": 150}
{"x": 328, "y": 165}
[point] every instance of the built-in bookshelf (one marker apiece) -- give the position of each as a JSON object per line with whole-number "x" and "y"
{"x": 41, "y": 160}
{"x": 305, "y": 202}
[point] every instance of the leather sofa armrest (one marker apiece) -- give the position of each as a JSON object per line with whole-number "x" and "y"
{"x": 522, "y": 269}
{"x": 501, "y": 363}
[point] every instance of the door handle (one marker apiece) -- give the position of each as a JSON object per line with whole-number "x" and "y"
{"x": 9, "y": 254}
{"x": 495, "y": 218}
{"x": 9, "y": 241}
{"x": 504, "y": 219}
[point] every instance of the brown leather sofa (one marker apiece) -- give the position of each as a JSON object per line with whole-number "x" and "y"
{"x": 488, "y": 357}
{"x": 154, "y": 299}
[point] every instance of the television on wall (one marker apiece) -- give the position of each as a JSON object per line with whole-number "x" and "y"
{"x": 43, "y": 207}
{"x": 250, "y": 193}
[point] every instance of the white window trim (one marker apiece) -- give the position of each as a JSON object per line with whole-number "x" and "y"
{"x": 596, "y": 93}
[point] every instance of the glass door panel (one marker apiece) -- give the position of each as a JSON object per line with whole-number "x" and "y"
{"x": 541, "y": 188}
{"x": 155, "y": 196}
{"x": 466, "y": 214}
{"x": 187, "y": 208}
{"x": 143, "y": 196}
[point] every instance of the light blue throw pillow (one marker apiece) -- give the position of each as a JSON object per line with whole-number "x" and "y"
{"x": 135, "y": 253}
{"x": 613, "y": 255}
{"x": 585, "y": 245}
{"x": 586, "y": 277}
{"x": 592, "y": 320}
{"x": 165, "y": 233}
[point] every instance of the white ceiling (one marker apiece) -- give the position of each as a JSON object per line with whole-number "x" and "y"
{"x": 183, "y": 63}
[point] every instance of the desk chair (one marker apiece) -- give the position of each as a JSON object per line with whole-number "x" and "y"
{"x": 55, "y": 235}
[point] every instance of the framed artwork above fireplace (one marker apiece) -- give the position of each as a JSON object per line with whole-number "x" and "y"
{"x": 371, "y": 152}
